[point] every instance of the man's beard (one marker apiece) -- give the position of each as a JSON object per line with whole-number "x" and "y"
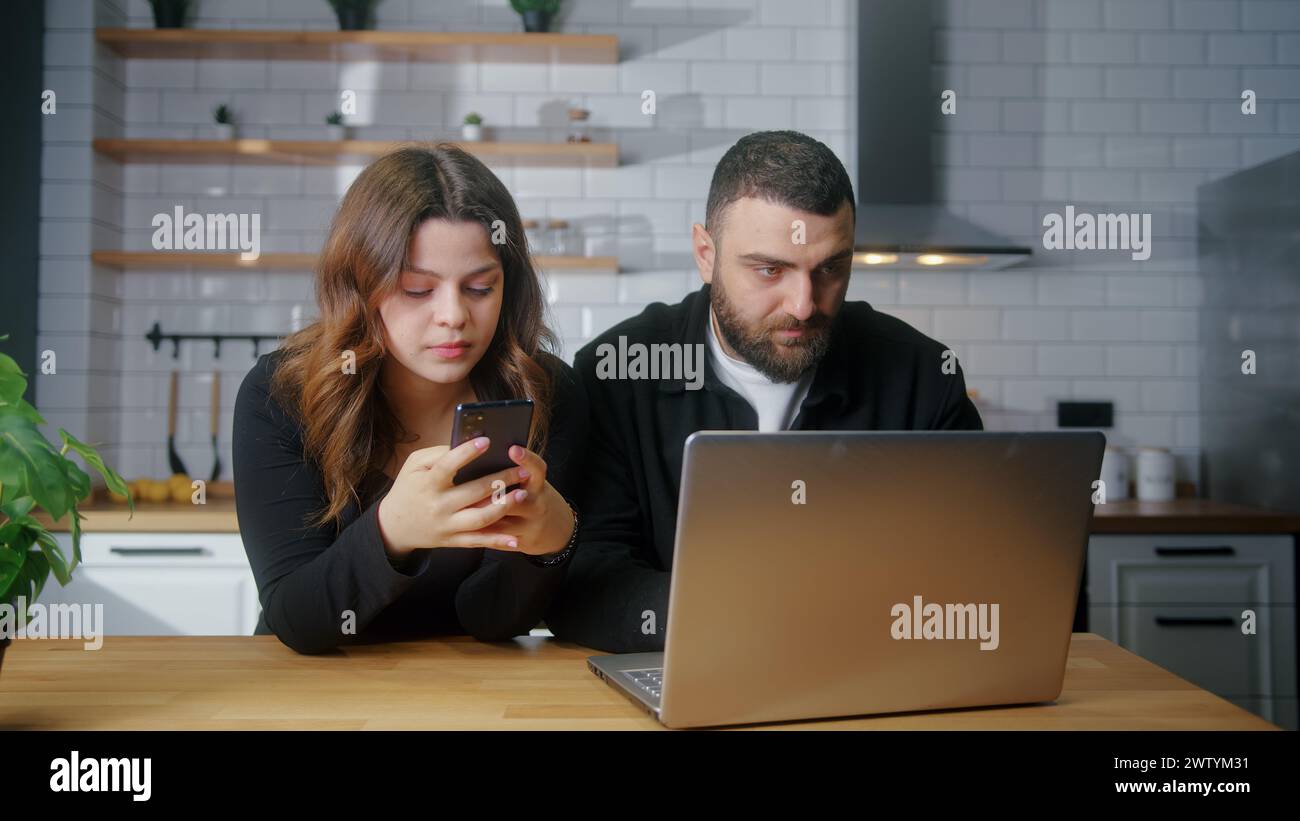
{"x": 780, "y": 360}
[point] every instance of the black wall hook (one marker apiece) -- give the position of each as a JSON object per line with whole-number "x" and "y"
{"x": 156, "y": 336}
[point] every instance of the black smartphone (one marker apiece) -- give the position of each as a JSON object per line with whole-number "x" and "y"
{"x": 505, "y": 423}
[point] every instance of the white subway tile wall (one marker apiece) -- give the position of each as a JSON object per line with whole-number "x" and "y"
{"x": 1112, "y": 106}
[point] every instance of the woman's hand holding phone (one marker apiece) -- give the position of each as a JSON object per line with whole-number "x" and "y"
{"x": 540, "y": 519}
{"x": 425, "y": 508}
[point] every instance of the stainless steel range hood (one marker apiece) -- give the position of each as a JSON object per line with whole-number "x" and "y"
{"x": 900, "y": 221}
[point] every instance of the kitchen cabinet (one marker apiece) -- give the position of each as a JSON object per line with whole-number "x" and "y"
{"x": 162, "y": 584}
{"x": 1179, "y": 601}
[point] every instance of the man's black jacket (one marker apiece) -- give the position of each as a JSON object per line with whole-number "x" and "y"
{"x": 879, "y": 373}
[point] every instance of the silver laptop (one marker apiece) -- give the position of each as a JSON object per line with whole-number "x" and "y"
{"x": 820, "y": 574}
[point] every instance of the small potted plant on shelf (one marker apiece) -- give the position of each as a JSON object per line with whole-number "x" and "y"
{"x": 169, "y": 14}
{"x": 471, "y": 130}
{"x": 536, "y": 14}
{"x": 334, "y": 124}
{"x": 354, "y": 15}
{"x": 33, "y": 473}
{"x": 224, "y": 122}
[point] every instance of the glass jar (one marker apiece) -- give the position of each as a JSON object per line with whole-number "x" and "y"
{"x": 557, "y": 238}
{"x": 533, "y": 236}
{"x": 578, "y": 132}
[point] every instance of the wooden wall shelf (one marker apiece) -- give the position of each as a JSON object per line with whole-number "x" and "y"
{"x": 436, "y": 46}
{"x": 229, "y": 260}
{"x": 338, "y": 152}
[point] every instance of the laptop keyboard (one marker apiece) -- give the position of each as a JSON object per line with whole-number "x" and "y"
{"x": 650, "y": 680}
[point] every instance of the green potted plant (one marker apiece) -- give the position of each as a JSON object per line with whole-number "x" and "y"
{"x": 536, "y": 14}
{"x": 224, "y": 122}
{"x": 471, "y": 130}
{"x": 354, "y": 15}
{"x": 169, "y": 14}
{"x": 334, "y": 124}
{"x": 34, "y": 474}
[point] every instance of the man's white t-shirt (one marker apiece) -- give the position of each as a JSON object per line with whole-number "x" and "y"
{"x": 777, "y": 404}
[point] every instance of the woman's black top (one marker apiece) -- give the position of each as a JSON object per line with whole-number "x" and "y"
{"x": 324, "y": 586}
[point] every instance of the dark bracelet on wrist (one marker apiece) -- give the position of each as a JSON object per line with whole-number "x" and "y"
{"x": 553, "y": 559}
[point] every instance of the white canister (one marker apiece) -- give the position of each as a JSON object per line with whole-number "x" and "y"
{"x": 1115, "y": 473}
{"x": 1155, "y": 475}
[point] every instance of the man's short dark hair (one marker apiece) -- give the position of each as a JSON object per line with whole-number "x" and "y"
{"x": 786, "y": 167}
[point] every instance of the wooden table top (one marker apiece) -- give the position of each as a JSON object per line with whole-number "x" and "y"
{"x": 255, "y": 682}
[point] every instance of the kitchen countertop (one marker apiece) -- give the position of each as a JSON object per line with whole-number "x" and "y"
{"x": 1179, "y": 516}
{"x": 1190, "y": 516}
{"x": 217, "y": 515}
{"x": 256, "y": 683}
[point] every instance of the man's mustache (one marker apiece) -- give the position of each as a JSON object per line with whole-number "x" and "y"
{"x": 812, "y": 323}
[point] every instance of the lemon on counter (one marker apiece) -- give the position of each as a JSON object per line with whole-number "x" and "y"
{"x": 154, "y": 491}
{"x": 179, "y": 486}
{"x": 175, "y": 488}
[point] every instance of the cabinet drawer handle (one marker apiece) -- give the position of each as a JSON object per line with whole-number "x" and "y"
{"x": 1209, "y": 550}
{"x": 157, "y": 551}
{"x": 1208, "y": 621}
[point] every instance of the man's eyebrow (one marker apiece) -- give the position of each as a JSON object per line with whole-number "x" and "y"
{"x": 482, "y": 269}
{"x": 841, "y": 256}
{"x": 764, "y": 259}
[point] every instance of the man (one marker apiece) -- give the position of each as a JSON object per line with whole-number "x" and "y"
{"x": 785, "y": 352}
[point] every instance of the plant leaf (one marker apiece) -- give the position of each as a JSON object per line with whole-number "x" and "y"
{"x": 23, "y": 531}
{"x": 114, "y": 482}
{"x": 13, "y": 382}
{"x": 16, "y": 536}
{"x": 29, "y": 460}
{"x": 26, "y": 411}
{"x": 11, "y": 564}
{"x": 16, "y": 542}
{"x": 35, "y": 571}
{"x": 78, "y": 483}
{"x": 76, "y": 537}
{"x": 10, "y": 533}
{"x": 19, "y": 507}
{"x": 54, "y": 553}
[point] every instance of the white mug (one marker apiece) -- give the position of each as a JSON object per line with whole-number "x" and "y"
{"x": 1115, "y": 473}
{"x": 1155, "y": 475}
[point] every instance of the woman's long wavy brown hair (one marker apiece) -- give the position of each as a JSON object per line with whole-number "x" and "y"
{"x": 346, "y": 420}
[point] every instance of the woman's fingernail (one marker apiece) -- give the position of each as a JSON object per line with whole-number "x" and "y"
{"x": 481, "y": 443}
{"x": 523, "y": 474}
{"x": 520, "y": 495}
{"x": 513, "y": 543}
{"x": 516, "y": 452}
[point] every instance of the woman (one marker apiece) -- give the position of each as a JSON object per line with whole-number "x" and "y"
{"x": 343, "y": 475}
